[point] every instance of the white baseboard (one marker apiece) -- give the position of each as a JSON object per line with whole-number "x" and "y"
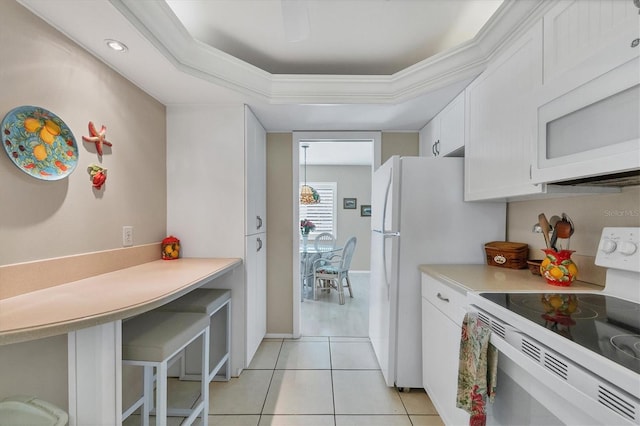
{"x": 278, "y": 336}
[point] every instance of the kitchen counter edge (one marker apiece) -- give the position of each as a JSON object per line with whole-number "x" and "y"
{"x": 477, "y": 278}
{"x": 105, "y": 298}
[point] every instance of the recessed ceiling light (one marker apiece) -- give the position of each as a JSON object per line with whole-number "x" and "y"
{"x": 116, "y": 45}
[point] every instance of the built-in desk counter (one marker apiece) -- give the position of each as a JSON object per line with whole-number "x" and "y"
{"x": 90, "y": 312}
{"x": 104, "y": 298}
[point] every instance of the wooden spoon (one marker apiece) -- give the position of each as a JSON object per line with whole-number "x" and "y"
{"x": 544, "y": 224}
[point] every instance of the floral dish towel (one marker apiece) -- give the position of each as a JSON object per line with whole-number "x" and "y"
{"x": 477, "y": 369}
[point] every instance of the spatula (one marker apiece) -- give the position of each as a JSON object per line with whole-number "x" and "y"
{"x": 544, "y": 224}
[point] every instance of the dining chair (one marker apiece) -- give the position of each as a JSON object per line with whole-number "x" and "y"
{"x": 333, "y": 271}
{"x": 325, "y": 242}
{"x": 306, "y": 272}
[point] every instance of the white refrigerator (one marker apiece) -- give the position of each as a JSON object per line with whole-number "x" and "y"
{"x": 418, "y": 216}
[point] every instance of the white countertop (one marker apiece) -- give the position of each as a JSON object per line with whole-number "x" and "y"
{"x": 493, "y": 278}
{"x": 104, "y": 298}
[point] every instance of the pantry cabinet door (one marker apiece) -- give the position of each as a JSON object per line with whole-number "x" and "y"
{"x": 256, "y": 174}
{"x": 255, "y": 293}
{"x": 501, "y": 122}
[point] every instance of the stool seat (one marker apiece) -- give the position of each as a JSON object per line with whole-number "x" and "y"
{"x": 210, "y": 302}
{"x": 156, "y": 336}
{"x": 151, "y": 340}
{"x": 202, "y": 300}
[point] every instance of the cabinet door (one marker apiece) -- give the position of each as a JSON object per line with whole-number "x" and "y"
{"x": 501, "y": 122}
{"x": 452, "y": 128}
{"x": 429, "y": 135}
{"x": 440, "y": 349}
{"x": 256, "y": 174}
{"x": 585, "y": 39}
{"x": 255, "y": 293}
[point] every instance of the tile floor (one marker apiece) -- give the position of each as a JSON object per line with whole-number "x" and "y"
{"x": 313, "y": 381}
{"x": 326, "y": 317}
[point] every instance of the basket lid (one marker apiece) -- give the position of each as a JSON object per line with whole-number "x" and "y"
{"x": 506, "y": 245}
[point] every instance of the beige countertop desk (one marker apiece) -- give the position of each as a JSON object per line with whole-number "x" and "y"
{"x": 91, "y": 311}
{"x": 104, "y": 298}
{"x": 493, "y": 278}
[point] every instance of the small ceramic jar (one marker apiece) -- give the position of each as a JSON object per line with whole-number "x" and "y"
{"x": 558, "y": 268}
{"x": 170, "y": 248}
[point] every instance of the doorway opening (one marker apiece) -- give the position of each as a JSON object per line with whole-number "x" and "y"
{"x": 339, "y": 166}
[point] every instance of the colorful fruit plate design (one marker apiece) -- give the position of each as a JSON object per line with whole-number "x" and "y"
{"x": 39, "y": 143}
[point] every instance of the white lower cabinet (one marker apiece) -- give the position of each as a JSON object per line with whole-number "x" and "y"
{"x": 256, "y": 292}
{"x": 442, "y": 313}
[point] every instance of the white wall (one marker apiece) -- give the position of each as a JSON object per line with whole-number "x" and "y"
{"x": 45, "y": 219}
{"x": 205, "y": 184}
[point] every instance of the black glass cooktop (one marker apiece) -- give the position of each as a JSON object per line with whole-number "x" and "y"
{"x": 604, "y": 324}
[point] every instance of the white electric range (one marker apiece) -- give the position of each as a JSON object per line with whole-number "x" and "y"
{"x": 578, "y": 364}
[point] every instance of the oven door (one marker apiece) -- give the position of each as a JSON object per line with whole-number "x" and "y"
{"x": 536, "y": 385}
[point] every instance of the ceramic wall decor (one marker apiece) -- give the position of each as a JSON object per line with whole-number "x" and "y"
{"x": 98, "y": 175}
{"x": 97, "y": 137}
{"x": 39, "y": 143}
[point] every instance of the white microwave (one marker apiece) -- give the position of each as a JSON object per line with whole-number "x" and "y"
{"x": 591, "y": 130}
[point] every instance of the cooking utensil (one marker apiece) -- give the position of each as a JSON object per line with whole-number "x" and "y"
{"x": 553, "y": 220}
{"x": 567, "y": 220}
{"x": 563, "y": 228}
{"x": 546, "y": 228}
{"x": 554, "y": 238}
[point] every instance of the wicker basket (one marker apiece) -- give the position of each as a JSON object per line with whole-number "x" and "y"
{"x": 506, "y": 254}
{"x": 534, "y": 266}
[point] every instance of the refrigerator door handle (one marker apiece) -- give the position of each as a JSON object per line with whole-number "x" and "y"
{"x": 384, "y": 259}
{"x": 386, "y": 201}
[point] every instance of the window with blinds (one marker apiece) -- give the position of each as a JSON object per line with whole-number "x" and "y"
{"x": 323, "y": 214}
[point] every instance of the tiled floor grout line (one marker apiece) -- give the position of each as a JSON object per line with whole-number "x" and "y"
{"x": 273, "y": 372}
{"x": 333, "y": 393}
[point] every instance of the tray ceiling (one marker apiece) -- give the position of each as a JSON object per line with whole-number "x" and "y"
{"x": 363, "y": 65}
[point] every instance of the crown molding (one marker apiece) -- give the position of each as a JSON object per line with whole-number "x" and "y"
{"x": 157, "y": 22}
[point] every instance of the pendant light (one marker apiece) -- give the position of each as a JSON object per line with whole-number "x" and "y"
{"x": 308, "y": 195}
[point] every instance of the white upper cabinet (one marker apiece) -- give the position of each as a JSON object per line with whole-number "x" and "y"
{"x": 428, "y": 136}
{"x": 443, "y": 136}
{"x": 256, "y": 175}
{"x": 501, "y": 122}
{"x": 589, "y": 106}
{"x": 451, "y": 142}
{"x": 585, "y": 39}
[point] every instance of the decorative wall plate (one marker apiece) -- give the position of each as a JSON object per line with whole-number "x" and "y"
{"x": 39, "y": 143}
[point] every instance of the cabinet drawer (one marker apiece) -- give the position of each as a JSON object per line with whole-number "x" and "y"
{"x": 449, "y": 300}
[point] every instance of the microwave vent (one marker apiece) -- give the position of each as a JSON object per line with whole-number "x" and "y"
{"x": 631, "y": 178}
